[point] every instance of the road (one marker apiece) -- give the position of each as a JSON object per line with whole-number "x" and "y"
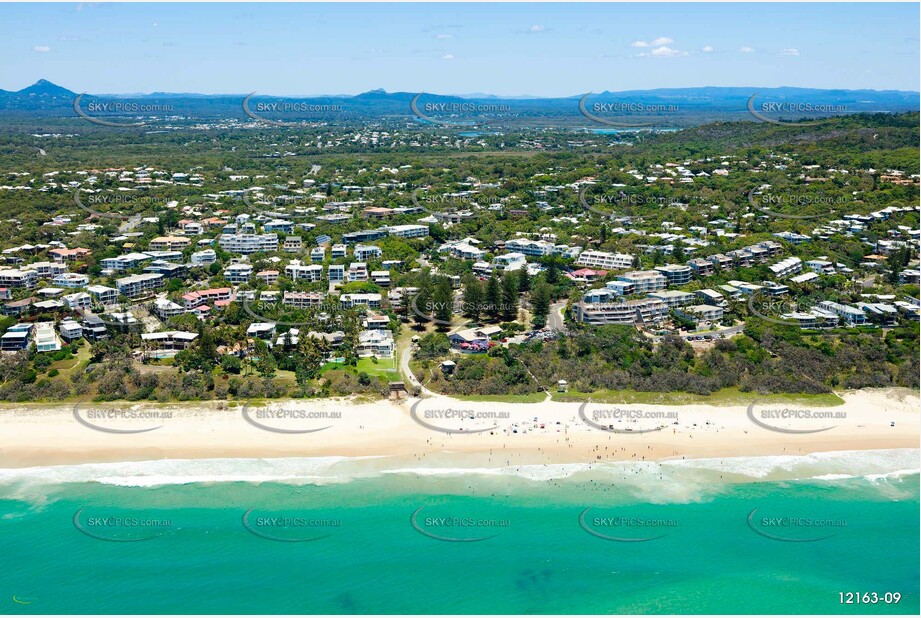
{"x": 405, "y": 356}
{"x": 555, "y": 319}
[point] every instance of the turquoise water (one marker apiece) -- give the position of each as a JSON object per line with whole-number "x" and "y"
{"x": 356, "y": 548}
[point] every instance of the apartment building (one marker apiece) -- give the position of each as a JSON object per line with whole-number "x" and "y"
{"x": 602, "y": 259}
{"x": 293, "y": 244}
{"x": 371, "y": 301}
{"x": 14, "y": 278}
{"x": 45, "y": 337}
{"x": 701, "y": 267}
{"x": 363, "y": 253}
{"x": 408, "y": 231}
{"x": 138, "y": 285}
{"x": 303, "y": 272}
{"x": 238, "y": 273}
{"x": 786, "y": 267}
{"x": 851, "y": 315}
{"x": 71, "y": 280}
{"x": 675, "y": 274}
{"x": 534, "y": 248}
{"x": 643, "y": 281}
{"x": 641, "y": 311}
{"x": 204, "y": 257}
{"x": 246, "y": 244}
{"x": 269, "y": 277}
{"x": 103, "y": 295}
{"x": 127, "y": 261}
{"x": 358, "y": 271}
{"x": 302, "y": 300}
{"x": 206, "y": 297}
{"x": 701, "y": 314}
{"x": 169, "y": 243}
{"x": 673, "y": 298}
{"x": 336, "y": 273}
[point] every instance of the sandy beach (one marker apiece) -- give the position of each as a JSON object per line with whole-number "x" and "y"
{"x": 506, "y": 434}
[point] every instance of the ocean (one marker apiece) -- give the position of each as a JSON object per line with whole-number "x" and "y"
{"x": 782, "y": 535}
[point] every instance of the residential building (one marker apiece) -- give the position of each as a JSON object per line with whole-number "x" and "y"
{"x": 45, "y": 337}
{"x": 71, "y": 280}
{"x": 293, "y": 244}
{"x": 641, "y": 311}
{"x": 364, "y": 253}
{"x": 602, "y": 259}
{"x": 376, "y": 343}
{"x": 138, "y": 285}
{"x": 408, "y": 231}
{"x": 238, "y": 273}
{"x": 303, "y": 272}
{"x": 851, "y": 315}
{"x": 246, "y": 244}
{"x": 676, "y": 274}
{"x": 103, "y": 295}
{"x": 169, "y": 243}
{"x": 70, "y": 330}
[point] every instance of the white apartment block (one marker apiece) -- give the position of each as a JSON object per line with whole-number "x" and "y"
{"x": 303, "y": 272}
{"x": 138, "y": 285}
{"x": 249, "y": 243}
{"x": 602, "y": 259}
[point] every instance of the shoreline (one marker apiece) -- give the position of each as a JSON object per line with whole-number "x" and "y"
{"x": 541, "y": 433}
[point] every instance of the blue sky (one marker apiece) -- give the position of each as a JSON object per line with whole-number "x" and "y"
{"x": 508, "y": 49}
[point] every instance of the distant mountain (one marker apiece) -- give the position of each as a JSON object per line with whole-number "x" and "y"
{"x": 693, "y": 105}
{"x": 44, "y": 88}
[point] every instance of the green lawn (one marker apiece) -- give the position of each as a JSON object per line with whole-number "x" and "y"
{"x": 384, "y": 367}
{"x": 725, "y": 397}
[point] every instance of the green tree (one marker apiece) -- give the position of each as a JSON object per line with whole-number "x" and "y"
{"x": 492, "y": 297}
{"x": 443, "y": 299}
{"x": 473, "y": 298}
{"x": 509, "y": 296}
{"x": 540, "y": 304}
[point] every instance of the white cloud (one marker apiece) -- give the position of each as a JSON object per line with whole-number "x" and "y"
{"x": 448, "y": 57}
{"x": 536, "y": 28}
{"x": 42, "y": 49}
{"x": 706, "y": 49}
{"x": 155, "y": 24}
{"x": 664, "y": 52}
{"x": 444, "y": 36}
{"x": 746, "y": 50}
{"x": 791, "y": 51}
{"x": 662, "y": 40}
